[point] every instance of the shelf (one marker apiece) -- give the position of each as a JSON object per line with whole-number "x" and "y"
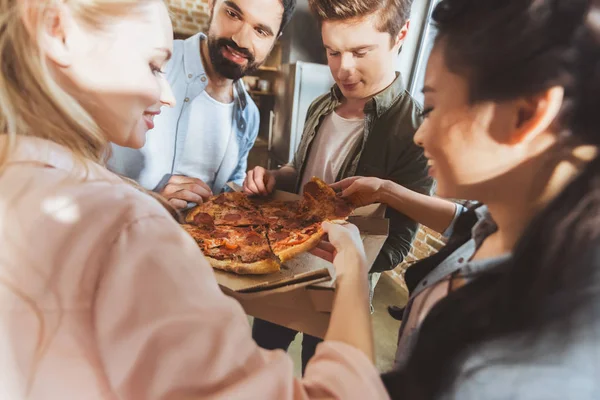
{"x": 261, "y": 143}
{"x": 259, "y": 93}
{"x": 270, "y": 69}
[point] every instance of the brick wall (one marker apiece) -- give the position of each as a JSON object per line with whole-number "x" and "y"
{"x": 427, "y": 242}
{"x": 189, "y": 16}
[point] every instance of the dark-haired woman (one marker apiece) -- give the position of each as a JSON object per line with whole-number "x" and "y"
{"x": 510, "y": 308}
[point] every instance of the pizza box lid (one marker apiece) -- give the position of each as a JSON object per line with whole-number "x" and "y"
{"x": 308, "y": 270}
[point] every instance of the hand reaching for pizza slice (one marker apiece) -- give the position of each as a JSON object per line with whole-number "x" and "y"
{"x": 259, "y": 181}
{"x": 181, "y": 190}
{"x": 348, "y": 253}
{"x": 361, "y": 191}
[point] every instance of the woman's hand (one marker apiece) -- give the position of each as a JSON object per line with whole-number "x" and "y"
{"x": 361, "y": 191}
{"x": 344, "y": 249}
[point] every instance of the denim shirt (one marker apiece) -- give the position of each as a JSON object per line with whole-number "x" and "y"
{"x": 457, "y": 262}
{"x": 153, "y": 164}
{"x": 553, "y": 366}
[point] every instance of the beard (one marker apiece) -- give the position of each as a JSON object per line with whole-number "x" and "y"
{"x": 225, "y": 67}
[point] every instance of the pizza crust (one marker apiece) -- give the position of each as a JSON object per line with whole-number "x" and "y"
{"x": 261, "y": 267}
{"x": 290, "y": 252}
{"x": 189, "y": 218}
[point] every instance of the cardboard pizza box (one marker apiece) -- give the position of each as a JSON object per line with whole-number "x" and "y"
{"x": 301, "y": 295}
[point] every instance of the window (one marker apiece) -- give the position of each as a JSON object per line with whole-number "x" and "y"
{"x": 422, "y": 55}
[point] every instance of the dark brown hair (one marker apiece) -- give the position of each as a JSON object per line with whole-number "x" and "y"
{"x": 508, "y": 49}
{"x": 392, "y": 14}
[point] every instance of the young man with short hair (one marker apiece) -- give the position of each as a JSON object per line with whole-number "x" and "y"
{"x": 364, "y": 126}
{"x": 203, "y": 142}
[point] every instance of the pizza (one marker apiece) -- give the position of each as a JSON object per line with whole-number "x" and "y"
{"x": 231, "y": 208}
{"x": 256, "y": 235}
{"x": 322, "y": 201}
{"x": 239, "y": 249}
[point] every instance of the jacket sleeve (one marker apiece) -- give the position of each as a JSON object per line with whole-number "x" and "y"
{"x": 411, "y": 173}
{"x": 164, "y": 330}
{"x": 410, "y": 170}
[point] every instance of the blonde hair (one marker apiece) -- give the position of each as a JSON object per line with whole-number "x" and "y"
{"x": 31, "y": 102}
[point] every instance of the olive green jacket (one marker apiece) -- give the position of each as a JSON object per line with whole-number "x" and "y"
{"x": 386, "y": 151}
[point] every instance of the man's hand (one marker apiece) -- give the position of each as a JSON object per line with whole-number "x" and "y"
{"x": 259, "y": 181}
{"x": 181, "y": 190}
{"x": 360, "y": 190}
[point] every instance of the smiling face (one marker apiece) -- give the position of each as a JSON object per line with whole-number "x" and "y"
{"x": 115, "y": 71}
{"x": 360, "y": 56}
{"x": 241, "y": 35}
{"x": 479, "y": 149}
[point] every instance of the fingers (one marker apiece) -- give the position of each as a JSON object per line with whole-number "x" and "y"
{"x": 259, "y": 182}
{"x": 326, "y": 246}
{"x": 201, "y": 190}
{"x": 270, "y": 183}
{"x": 178, "y": 204}
{"x": 182, "y": 179}
{"x": 250, "y": 186}
{"x": 342, "y": 236}
{"x": 350, "y": 190}
{"x": 185, "y": 191}
{"x": 178, "y": 183}
{"x": 187, "y": 196}
{"x": 324, "y": 254}
{"x": 344, "y": 183}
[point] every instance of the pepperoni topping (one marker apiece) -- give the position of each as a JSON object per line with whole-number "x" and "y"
{"x": 220, "y": 200}
{"x": 310, "y": 230}
{"x": 279, "y": 235}
{"x": 342, "y": 209}
{"x": 254, "y": 238}
{"x": 232, "y": 217}
{"x": 203, "y": 219}
{"x": 221, "y": 235}
{"x": 313, "y": 189}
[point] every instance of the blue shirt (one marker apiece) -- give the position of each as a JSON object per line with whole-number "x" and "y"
{"x": 153, "y": 165}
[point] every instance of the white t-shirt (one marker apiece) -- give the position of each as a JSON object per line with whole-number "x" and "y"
{"x": 210, "y": 129}
{"x": 335, "y": 139}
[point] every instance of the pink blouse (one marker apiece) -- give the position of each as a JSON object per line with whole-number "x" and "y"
{"x": 104, "y": 296}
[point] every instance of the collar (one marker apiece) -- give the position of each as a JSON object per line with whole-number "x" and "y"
{"x": 194, "y": 67}
{"x": 43, "y": 152}
{"x": 484, "y": 226}
{"x": 192, "y": 60}
{"x": 382, "y": 101}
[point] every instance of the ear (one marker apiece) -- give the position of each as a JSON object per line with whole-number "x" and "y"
{"x": 536, "y": 114}
{"x": 399, "y": 40}
{"x": 51, "y": 25}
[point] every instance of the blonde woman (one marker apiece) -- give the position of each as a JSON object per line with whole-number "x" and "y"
{"x": 102, "y": 295}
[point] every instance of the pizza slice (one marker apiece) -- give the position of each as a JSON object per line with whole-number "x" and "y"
{"x": 275, "y": 211}
{"x": 242, "y": 250}
{"x": 320, "y": 200}
{"x": 231, "y": 208}
{"x": 288, "y": 241}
